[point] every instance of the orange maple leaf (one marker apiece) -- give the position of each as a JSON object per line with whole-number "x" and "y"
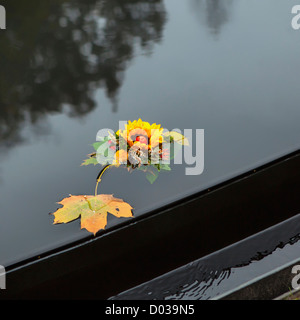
{"x": 93, "y": 210}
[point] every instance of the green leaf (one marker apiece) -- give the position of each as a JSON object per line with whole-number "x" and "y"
{"x": 97, "y": 144}
{"x": 102, "y": 148}
{"x": 165, "y": 166}
{"x": 88, "y": 161}
{"x": 152, "y": 174}
{"x": 177, "y": 137}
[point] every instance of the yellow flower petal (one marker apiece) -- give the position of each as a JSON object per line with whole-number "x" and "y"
{"x": 121, "y": 157}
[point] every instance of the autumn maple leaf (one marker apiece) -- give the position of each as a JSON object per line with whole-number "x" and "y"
{"x": 93, "y": 210}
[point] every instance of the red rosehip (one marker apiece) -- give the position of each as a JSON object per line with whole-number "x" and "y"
{"x": 141, "y": 139}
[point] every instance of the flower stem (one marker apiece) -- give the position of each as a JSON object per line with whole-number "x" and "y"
{"x": 99, "y": 177}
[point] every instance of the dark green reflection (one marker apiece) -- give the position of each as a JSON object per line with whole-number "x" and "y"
{"x": 213, "y": 13}
{"x": 58, "y": 52}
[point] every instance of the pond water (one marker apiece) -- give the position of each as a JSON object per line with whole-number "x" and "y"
{"x": 71, "y": 68}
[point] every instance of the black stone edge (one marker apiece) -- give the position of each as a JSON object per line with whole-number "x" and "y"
{"x": 135, "y": 220}
{"x": 74, "y": 266}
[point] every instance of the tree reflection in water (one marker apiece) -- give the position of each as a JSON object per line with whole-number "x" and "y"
{"x": 214, "y": 13}
{"x": 58, "y": 52}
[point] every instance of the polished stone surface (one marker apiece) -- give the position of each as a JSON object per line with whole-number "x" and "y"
{"x": 71, "y": 68}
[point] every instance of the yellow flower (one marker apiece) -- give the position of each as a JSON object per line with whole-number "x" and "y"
{"x": 142, "y": 133}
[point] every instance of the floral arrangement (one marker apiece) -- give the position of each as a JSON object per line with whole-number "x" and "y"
{"x": 140, "y": 145}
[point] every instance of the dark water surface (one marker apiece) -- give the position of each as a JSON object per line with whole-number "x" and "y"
{"x": 223, "y": 271}
{"x": 70, "y": 68}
